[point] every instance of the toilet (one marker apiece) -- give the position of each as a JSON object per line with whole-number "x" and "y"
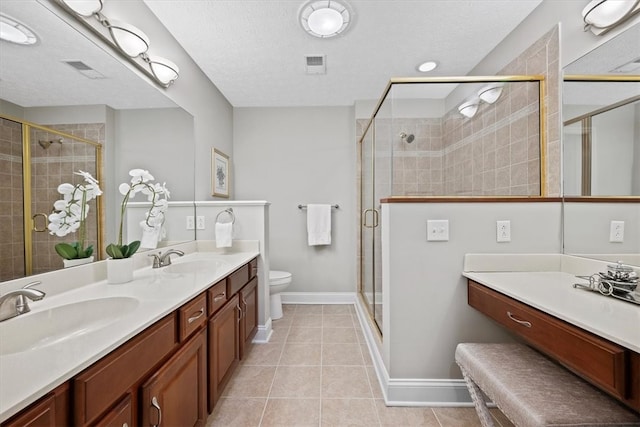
{"x": 278, "y": 282}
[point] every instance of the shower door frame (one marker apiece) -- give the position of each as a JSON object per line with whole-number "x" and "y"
{"x": 27, "y": 185}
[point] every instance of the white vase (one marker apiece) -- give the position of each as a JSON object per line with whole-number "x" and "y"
{"x": 77, "y": 261}
{"x": 119, "y": 270}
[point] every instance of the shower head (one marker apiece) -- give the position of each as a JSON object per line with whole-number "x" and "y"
{"x": 407, "y": 138}
{"x": 47, "y": 143}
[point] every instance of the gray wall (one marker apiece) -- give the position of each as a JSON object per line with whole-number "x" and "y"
{"x": 292, "y": 156}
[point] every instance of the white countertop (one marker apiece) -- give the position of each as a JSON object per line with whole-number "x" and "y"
{"x": 552, "y": 292}
{"x": 26, "y": 376}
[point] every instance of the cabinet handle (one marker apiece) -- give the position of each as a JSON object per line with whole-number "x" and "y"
{"x": 196, "y": 316}
{"x": 125, "y": 425}
{"x": 219, "y": 297}
{"x": 521, "y": 322}
{"x": 155, "y": 404}
{"x": 239, "y": 312}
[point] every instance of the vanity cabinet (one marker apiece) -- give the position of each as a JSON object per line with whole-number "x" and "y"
{"x": 249, "y": 315}
{"x": 50, "y": 411}
{"x": 102, "y": 386}
{"x": 611, "y": 367}
{"x": 224, "y": 348}
{"x": 170, "y": 374}
{"x": 176, "y": 394}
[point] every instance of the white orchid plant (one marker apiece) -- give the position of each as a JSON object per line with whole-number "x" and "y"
{"x": 70, "y": 215}
{"x": 157, "y": 194}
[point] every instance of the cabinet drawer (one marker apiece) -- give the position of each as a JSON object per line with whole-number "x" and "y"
{"x": 192, "y": 315}
{"x": 101, "y": 385}
{"x": 253, "y": 268}
{"x": 237, "y": 280}
{"x": 217, "y": 295}
{"x": 120, "y": 416}
{"x": 592, "y": 357}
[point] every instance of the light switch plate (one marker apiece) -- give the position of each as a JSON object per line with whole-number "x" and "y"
{"x": 438, "y": 230}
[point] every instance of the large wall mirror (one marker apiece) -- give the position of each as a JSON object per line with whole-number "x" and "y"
{"x": 68, "y": 83}
{"x": 601, "y": 151}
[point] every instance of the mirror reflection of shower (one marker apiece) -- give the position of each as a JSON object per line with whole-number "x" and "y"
{"x": 407, "y": 138}
{"x": 47, "y": 143}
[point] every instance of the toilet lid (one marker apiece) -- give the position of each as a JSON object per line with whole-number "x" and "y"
{"x": 278, "y": 277}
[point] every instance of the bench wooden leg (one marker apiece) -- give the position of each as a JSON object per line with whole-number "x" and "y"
{"x": 478, "y": 400}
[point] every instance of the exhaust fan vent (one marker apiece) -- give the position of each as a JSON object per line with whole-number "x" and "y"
{"x": 84, "y": 69}
{"x": 316, "y": 64}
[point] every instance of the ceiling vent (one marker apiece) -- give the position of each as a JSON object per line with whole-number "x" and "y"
{"x": 628, "y": 68}
{"x": 84, "y": 69}
{"x": 316, "y": 64}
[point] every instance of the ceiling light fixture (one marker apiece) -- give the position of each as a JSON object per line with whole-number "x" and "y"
{"x": 469, "y": 108}
{"x": 491, "y": 92}
{"x": 164, "y": 70}
{"x": 84, "y": 8}
{"x": 326, "y": 18}
{"x": 129, "y": 40}
{"x": 16, "y": 32}
{"x": 427, "y": 66}
{"x": 602, "y": 15}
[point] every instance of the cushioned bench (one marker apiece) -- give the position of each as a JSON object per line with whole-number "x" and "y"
{"x": 532, "y": 391}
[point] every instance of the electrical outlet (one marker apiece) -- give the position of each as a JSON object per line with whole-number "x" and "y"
{"x": 200, "y": 224}
{"x": 616, "y": 232}
{"x": 438, "y": 230}
{"x": 503, "y": 231}
{"x": 191, "y": 225}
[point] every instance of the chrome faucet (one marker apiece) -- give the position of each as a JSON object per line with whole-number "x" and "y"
{"x": 162, "y": 260}
{"x": 15, "y": 303}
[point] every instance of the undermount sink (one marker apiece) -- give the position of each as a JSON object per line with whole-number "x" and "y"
{"x": 48, "y": 327}
{"x": 195, "y": 266}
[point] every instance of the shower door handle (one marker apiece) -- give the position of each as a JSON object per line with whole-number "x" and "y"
{"x": 375, "y": 218}
{"x": 46, "y": 220}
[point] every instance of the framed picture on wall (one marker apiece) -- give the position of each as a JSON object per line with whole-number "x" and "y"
{"x": 220, "y": 176}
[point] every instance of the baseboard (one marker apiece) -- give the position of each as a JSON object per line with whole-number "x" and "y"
{"x": 264, "y": 333}
{"x": 318, "y": 297}
{"x": 408, "y": 391}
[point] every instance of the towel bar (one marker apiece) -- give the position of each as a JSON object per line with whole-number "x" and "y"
{"x": 227, "y": 211}
{"x": 336, "y": 206}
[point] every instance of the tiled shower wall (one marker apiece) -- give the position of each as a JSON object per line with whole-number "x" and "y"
{"x": 494, "y": 153}
{"x": 11, "y": 195}
{"x": 50, "y": 168}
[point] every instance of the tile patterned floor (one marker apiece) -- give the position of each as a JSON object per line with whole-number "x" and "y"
{"x": 316, "y": 371}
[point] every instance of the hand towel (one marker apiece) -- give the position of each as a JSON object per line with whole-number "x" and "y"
{"x": 319, "y": 224}
{"x": 150, "y": 236}
{"x": 224, "y": 235}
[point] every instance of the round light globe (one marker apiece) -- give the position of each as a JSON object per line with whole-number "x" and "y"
{"x": 325, "y": 22}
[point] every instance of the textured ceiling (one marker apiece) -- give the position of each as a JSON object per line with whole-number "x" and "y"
{"x": 254, "y": 51}
{"x": 35, "y": 76}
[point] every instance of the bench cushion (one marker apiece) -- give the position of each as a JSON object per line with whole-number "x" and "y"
{"x": 531, "y": 390}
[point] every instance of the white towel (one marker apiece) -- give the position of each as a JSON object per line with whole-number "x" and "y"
{"x": 319, "y": 224}
{"x": 224, "y": 235}
{"x": 150, "y": 236}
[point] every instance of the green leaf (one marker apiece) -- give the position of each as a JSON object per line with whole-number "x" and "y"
{"x": 132, "y": 248}
{"x": 66, "y": 251}
{"x": 114, "y": 251}
{"x": 86, "y": 253}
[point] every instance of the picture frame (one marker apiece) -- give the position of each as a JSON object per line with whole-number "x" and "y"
{"x": 220, "y": 177}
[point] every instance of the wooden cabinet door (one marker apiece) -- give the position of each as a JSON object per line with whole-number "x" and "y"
{"x": 50, "y": 411}
{"x": 249, "y": 323}
{"x": 224, "y": 348}
{"x": 120, "y": 416}
{"x": 176, "y": 394}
